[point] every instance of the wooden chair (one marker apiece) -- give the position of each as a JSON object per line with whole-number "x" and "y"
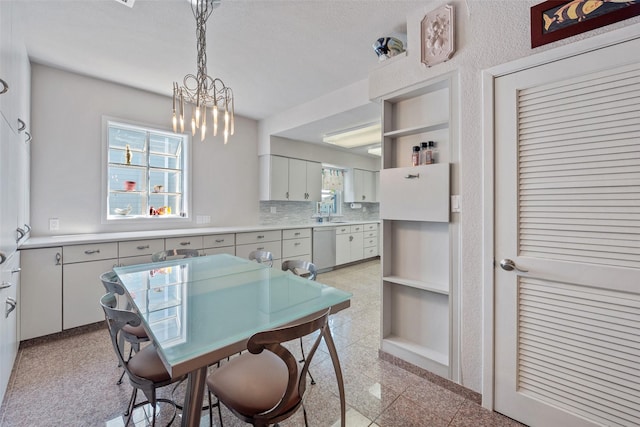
{"x": 134, "y": 335}
{"x": 174, "y": 254}
{"x": 266, "y": 385}
{"x": 307, "y": 270}
{"x": 145, "y": 370}
{"x": 262, "y": 257}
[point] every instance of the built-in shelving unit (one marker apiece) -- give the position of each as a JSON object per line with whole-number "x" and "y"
{"x": 418, "y": 292}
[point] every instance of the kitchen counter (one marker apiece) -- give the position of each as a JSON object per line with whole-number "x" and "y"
{"x": 78, "y": 239}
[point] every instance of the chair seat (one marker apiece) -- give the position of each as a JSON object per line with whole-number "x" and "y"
{"x": 136, "y": 331}
{"x": 260, "y": 387}
{"x": 147, "y": 364}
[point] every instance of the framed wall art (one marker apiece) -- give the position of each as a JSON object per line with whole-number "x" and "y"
{"x": 555, "y": 20}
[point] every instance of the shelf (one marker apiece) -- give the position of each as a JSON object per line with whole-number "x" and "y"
{"x": 416, "y": 354}
{"x": 416, "y": 130}
{"x": 440, "y": 288}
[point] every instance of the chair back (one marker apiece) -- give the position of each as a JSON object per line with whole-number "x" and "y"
{"x": 262, "y": 257}
{"x": 272, "y": 341}
{"x": 111, "y": 283}
{"x": 117, "y": 319}
{"x": 174, "y": 254}
{"x": 301, "y": 268}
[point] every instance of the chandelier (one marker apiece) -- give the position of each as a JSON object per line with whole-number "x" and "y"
{"x": 203, "y": 92}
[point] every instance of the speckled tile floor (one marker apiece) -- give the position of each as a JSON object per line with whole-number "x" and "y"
{"x": 71, "y": 381}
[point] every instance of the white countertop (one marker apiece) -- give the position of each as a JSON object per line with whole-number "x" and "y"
{"x": 78, "y": 239}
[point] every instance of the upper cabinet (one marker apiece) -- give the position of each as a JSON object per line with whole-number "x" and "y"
{"x": 360, "y": 186}
{"x": 282, "y": 178}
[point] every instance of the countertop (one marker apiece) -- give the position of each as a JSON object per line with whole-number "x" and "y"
{"x": 79, "y": 239}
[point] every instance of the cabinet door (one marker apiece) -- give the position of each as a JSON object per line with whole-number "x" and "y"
{"x": 368, "y": 186}
{"x": 10, "y": 279}
{"x": 41, "y": 292}
{"x": 343, "y": 249}
{"x": 279, "y": 178}
{"x": 9, "y": 187}
{"x": 314, "y": 181}
{"x": 81, "y": 291}
{"x": 356, "y": 250}
{"x": 297, "y": 180}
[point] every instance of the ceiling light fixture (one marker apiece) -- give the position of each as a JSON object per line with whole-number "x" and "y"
{"x": 356, "y": 137}
{"x": 376, "y": 151}
{"x": 201, "y": 91}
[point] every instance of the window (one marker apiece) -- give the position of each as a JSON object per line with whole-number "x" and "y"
{"x": 146, "y": 173}
{"x": 332, "y": 187}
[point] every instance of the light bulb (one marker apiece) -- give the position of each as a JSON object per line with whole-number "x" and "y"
{"x": 174, "y": 120}
{"x": 226, "y": 136}
{"x": 215, "y": 120}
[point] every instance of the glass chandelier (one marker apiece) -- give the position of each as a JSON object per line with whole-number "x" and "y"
{"x": 203, "y": 92}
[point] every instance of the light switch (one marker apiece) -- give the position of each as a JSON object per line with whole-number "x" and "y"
{"x": 455, "y": 203}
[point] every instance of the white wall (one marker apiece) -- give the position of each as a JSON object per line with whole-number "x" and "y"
{"x": 488, "y": 33}
{"x": 66, "y": 156}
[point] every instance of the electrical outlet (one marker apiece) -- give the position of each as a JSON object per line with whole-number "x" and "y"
{"x": 54, "y": 224}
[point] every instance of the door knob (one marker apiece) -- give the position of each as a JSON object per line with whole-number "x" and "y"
{"x": 509, "y": 265}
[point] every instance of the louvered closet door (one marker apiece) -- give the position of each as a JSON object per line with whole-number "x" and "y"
{"x": 568, "y": 212}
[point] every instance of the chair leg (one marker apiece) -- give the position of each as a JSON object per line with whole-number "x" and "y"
{"x": 304, "y": 414}
{"x": 132, "y": 402}
{"x": 313, "y": 382}
{"x": 123, "y": 372}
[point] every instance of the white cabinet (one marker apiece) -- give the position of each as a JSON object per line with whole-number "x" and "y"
{"x": 219, "y": 244}
{"x": 419, "y": 249}
{"x": 9, "y": 290}
{"x": 288, "y": 179}
{"x": 81, "y": 289}
{"x": 270, "y": 241}
{"x": 370, "y": 240}
{"x": 296, "y": 244}
{"x": 349, "y": 244}
{"x": 360, "y": 186}
{"x": 41, "y": 292}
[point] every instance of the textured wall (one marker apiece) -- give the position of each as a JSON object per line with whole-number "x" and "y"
{"x": 489, "y": 33}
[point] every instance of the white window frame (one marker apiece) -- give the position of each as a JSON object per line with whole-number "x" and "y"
{"x": 106, "y": 218}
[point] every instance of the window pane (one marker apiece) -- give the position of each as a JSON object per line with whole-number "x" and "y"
{"x": 164, "y": 144}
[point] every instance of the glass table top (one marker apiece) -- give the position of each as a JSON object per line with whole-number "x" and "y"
{"x": 195, "y": 306}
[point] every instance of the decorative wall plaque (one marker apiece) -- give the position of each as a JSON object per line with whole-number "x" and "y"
{"x": 438, "y": 35}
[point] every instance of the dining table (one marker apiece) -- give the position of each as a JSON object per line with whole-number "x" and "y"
{"x": 200, "y": 310}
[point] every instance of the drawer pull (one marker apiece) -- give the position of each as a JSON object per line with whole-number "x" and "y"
{"x": 296, "y": 234}
{"x": 5, "y": 86}
{"x": 3, "y": 258}
{"x": 261, "y": 237}
{"x": 297, "y": 244}
{"x": 92, "y": 251}
{"x": 22, "y": 125}
{"x": 6, "y": 285}
{"x": 58, "y": 258}
{"x": 141, "y": 247}
{"x": 11, "y": 305}
{"x": 219, "y": 240}
{"x": 412, "y": 176}
{"x": 17, "y": 270}
{"x": 185, "y": 243}
{"x": 260, "y": 249}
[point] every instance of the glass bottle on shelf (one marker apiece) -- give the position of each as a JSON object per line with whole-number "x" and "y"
{"x": 433, "y": 151}
{"x": 128, "y": 155}
{"x": 415, "y": 157}
{"x": 425, "y": 154}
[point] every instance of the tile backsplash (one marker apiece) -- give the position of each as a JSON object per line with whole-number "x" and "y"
{"x": 302, "y": 212}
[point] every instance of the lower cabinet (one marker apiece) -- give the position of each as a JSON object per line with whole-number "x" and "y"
{"x": 10, "y": 283}
{"x": 40, "y": 292}
{"x": 349, "y": 244}
{"x": 296, "y": 244}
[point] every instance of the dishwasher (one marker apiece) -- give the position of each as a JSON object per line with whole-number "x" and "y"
{"x": 324, "y": 248}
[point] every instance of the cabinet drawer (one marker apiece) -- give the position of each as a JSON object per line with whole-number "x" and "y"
{"x": 359, "y": 228}
{"x": 295, "y": 248}
{"x": 258, "y": 237}
{"x": 370, "y": 252}
{"x": 370, "y": 227}
{"x": 297, "y": 233}
{"x": 90, "y": 252}
{"x": 140, "y": 247}
{"x": 243, "y": 251}
{"x": 343, "y": 229}
{"x": 370, "y": 234}
{"x": 231, "y": 250}
{"x": 219, "y": 240}
{"x": 368, "y": 243}
{"x": 187, "y": 242}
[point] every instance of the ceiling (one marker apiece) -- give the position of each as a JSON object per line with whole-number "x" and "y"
{"x": 274, "y": 54}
